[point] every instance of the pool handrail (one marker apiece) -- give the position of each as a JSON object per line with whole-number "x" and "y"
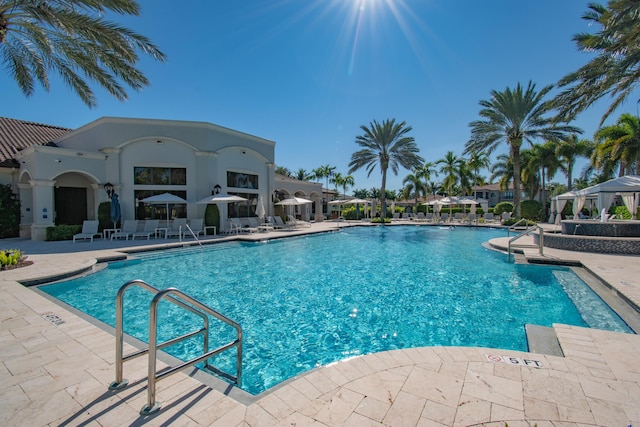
{"x": 194, "y": 306}
{"x": 526, "y": 232}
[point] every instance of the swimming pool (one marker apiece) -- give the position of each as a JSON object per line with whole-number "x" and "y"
{"x": 308, "y": 301}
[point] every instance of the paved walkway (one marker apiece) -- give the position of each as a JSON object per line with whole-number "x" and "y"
{"x": 56, "y": 368}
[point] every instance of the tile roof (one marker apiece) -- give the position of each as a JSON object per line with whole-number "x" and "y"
{"x": 16, "y": 135}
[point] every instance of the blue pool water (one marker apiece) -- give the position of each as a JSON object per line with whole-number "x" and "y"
{"x": 308, "y": 301}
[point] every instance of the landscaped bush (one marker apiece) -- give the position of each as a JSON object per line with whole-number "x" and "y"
{"x": 104, "y": 216}
{"x": 62, "y": 232}
{"x": 380, "y": 220}
{"x": 212, "y": 216}
{"x": 502, "y": 207}
{"x": 622, "y": 212}
{"x": 531, "y": 209}
{"x": 10, "y": 217}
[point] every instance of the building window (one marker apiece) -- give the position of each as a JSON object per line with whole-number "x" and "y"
{"x": 242, "y": 180}
{"x": 159, "y": 211}
{"x": 159, "y": 176}
{"x": 508, "y": 194}
{"x": 244, "y": 209}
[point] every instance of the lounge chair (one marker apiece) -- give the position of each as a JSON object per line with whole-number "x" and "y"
{"x": 444, "y": 217}
{"x": 129, "y": 227}
{"x": 233, "y": 227}
{"x": 196, "y": 226}
{"x": 396, "y": 216}
{"x": 280, "y": 224}
{"x": 274, "y": 224}
{"x": 406, "y": 216}
{"x": 428, "y": 217}
{"x": 239, "y": 226}
{"x": 297, "y": 222}
{"x": 150, "y": 227}
{"x": 458, "y": 217}
{"x": 489, "y": 217}
{"x": 253, "y": 222}
{"x": 420, "y": 217}
{"x": 179, "y": 225}
{"x": 89, "y": 230}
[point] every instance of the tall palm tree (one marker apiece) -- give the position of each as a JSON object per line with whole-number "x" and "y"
{"x": 343, "y": 181}
{"x": 302, "y": 175}
{"x": 545, "y": 160}
{"x": 74, "y": 40}
{"x": 414, "y": 185}
{"x": 615, "y": 69}
{"x": 502, "y": 170}
{"x": 568, "y": 150}
{"x": 325, "y": 172}
{"x": 621, "y": 143}
{"x": 512, "y": 117}
{"x": 476, "y": 161}
{"x": 426, "y": 171}
{"x": 281, "y": 170}
{"x": 385, "y": 145}
{"x": 451, "y": 167}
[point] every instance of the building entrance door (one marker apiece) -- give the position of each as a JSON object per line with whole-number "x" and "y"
{"x": 71, "y": 205}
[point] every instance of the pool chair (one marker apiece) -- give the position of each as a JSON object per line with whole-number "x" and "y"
{"x": 179, "y": 225}
{"x": 396, "y": 216}
{"x": 150, "y": 227}
{"x": 196, "y": 226}
{"x": 263, "y": 228}
{"x": 280, "y": 224}
{"x": 489, "y": 217}
{"x": 444, "y": 217}
{"x": 406, "y": 216}
{"x": 297, "y": 222}
{"x": 129, "y": 227}
{"x": 89, "y": 230}
{"x": 240, "y": 227}
{"x": 458, "y": 217}
{"x": 420, "y": 217}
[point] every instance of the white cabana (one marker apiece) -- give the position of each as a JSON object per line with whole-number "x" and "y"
{"x": 627, "y": 186}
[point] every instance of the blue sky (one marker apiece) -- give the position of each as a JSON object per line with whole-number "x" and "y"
{"x": 308, "y": 73}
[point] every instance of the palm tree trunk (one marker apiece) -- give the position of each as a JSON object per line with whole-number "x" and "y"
{"x": 515, "y": 155}
{"x": 383, "y": 193}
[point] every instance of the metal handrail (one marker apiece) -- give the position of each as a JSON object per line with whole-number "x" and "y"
{"x": 194, "y": 235}
{"x": 512, "y": 227}
{"x": 194, "y": 306}
{"x": 525, "y": 233}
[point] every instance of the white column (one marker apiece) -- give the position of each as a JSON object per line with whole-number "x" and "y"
{"x": 42, "y": 207}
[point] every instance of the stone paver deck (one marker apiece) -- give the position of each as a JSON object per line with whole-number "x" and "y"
{"x": 56, "y": 368}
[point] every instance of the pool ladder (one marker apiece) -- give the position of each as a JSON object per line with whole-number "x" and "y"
{"x": 190, "y": 304}
{"x": 526, "y": 232}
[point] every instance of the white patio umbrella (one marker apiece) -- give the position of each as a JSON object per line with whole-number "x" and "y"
{"x": 164, "y": 199}
{"x": 260, "y": 211}
{"x": 221, "y": 198}
{"x": 294, "y": 201}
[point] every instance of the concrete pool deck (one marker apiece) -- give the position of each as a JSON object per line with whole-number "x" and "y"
{"x": 56, "y": 367}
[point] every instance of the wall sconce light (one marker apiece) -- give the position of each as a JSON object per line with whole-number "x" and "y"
{"x": 108, "y": 187}
{"x": 274, "y": 196}
{"x": 216, "y": 190}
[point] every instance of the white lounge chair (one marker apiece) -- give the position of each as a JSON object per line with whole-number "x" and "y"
{"x": 129, "y": 227}
{"x": 239, "y": 226}
{"x": 297, "y": 222}
{"x": 253, "y": 222}
{"x": 89, "y": 230}
{"x": 280, "y": 223}
{"x": 179, "y": 225}
{"x": 196, "y": 226}
{"x": 150, "y": 227}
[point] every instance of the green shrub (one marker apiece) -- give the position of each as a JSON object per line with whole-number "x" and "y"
{"x": 512, "y": 221}
{"x": 212, "y": 216}
{"x": 62, "y": 232}
{"x": 380, "y": 220}
{"x": 531, "y": 209}
{"x": 502, "y": 207}
{"x": 9, "y": 257}
{"x": 622, "y": 212}
{"x": 104, "y": 216}
{"x": 10, "y": 217}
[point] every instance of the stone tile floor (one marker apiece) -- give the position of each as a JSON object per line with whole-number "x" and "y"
{"x": 56, "y": 368}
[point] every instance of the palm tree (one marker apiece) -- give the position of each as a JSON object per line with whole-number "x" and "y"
{"x": 621, "y": 143}
{"x": 302, "y": 175}
{"x": 477, "y": 161}
{"x": 512, "y": 117}
{"x": 343, "y": 181}
{"x": 325, "y": 172}
{"x": 385, "y": 145}
{"x": 74, "y": 40}
{"x": 615, "y": 70}
{"x": 545, "y": 160}
{"x": 502, "y": 169}
{"x": 281, "y": 170}
{"x": 413, "y": 184}
{"x": 452, "y": 166}
{"x": 568, "y": 150}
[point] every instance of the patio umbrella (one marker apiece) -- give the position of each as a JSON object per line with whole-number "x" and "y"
{"x": 260, "y": 211}
{"x": 116, "y": 212}
{"x": 164, "y": 199}
{"x": 221, "y": 198}
{"x": 294, "y": 201}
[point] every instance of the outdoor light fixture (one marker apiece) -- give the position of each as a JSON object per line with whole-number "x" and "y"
{"x": 216, "y": 190}
{"x": 108, "y": 187}
{"x": 274, "y": 196}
